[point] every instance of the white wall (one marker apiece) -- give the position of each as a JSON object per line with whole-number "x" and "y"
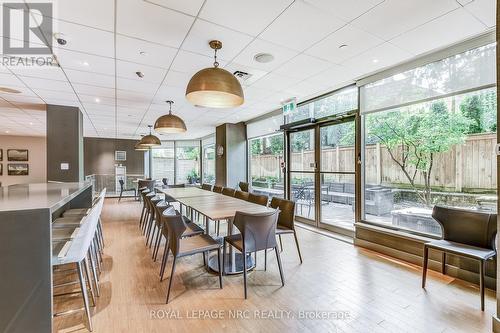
{"x": 37, "y": 158}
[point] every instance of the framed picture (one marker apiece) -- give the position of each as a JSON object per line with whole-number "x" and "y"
{"x": 18, "y": 169}
{"x": 17, "y": 155}
{"x": 1, "y": 154}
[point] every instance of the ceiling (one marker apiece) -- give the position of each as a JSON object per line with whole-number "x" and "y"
{"x": 106, "y": 38}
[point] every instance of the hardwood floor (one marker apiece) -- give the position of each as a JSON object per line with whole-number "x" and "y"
{"x": 373, "y": 292}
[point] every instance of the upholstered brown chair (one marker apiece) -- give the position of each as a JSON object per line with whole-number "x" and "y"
{"x": 243, "y": 186}
{"x": 228, "y": 191}
{"x": 258, "y": 199}
{"x": 148, "y": 183}
{"x": 257, "y": 233}
{"x": 182, "y": 247}
{"x": 466, "y": 233}
{"x": 217, "y": 189}
{"x": 286, "y": 220}
{"x": 241, "y": 195}
{"x": 192, "y": 229}
{"x": 206, "y": 187}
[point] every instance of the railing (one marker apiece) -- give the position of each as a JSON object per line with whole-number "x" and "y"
{"x": 111, "y": 183}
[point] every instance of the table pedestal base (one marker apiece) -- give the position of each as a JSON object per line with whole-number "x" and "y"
{"x": 233, "y": 264}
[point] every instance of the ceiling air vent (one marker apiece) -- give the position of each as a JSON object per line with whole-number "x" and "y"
{"x": 243, "y": 76}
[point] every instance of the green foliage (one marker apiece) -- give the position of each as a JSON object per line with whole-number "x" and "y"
{"x": 414, "y": 137}
{"x": 256, "y": 147}
{"x": 481, "y": 109}
{"x": 276, "y": 144}
{"x": 300, "y": 141}
{"x": 192, "y": 153}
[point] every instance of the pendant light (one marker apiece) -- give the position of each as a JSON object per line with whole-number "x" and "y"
{"x": 214, "y": 87}
{"x": 170, "y": 123}
{"x": 139, "y": 147}
{"x": 150, "y": 140}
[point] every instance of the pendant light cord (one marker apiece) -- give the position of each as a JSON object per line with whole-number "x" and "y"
{"x": 216, "y": 64}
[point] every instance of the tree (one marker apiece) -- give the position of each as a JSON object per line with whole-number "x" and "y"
{"x": 276, "y": 144}
{"x": 256, "y": 147}
{"x": 471, "y": 108}
{"x": 414, "y": 137}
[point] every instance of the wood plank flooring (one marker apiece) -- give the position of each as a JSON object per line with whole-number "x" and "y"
{"x": 372, "y": 292}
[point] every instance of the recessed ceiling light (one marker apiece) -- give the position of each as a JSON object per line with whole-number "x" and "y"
{"x": 86, "y": 64}
{"x": 10, "y": 90}
{"x": 343, "y": 46}
{"x": 97, "y": 100}
{"x": 142, "y": 53}
{"x": 263, "y": 57}
{"x": 7, "y": 131}
{"x": 31, "y": 123}
{"x": 375, "y": 61}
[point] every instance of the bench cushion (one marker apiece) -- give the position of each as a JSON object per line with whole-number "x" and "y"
{"x": 461, "y": 249}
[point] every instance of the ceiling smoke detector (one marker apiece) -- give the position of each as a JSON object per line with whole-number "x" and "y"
{"x": 263, "y": 58}
{"x": 243, "y": 76}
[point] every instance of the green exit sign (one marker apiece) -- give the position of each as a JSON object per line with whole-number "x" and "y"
{"x": 289, "y": 106}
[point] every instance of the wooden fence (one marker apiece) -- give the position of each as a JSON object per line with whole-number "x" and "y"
{"x": 467, "y": 167}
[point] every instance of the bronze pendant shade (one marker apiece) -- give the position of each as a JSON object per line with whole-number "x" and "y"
{"x": 139, "y": 147}
{"x": 150, "y": 140}
{"x": 170, "y": 123}
{"x": 214, "y": 87}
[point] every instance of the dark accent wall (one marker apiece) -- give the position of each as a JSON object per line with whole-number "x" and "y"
{"x": 64, "y": 143}
{"x": 231, "y": 168}
{"x": 99, "y": 156}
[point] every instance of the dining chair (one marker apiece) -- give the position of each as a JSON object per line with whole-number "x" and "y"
{"x": 241, "y": 195}
{"x": 160, "y": 207}
{"x": 257, "y": 233}
{"x": 207, "y": 187}
{"x": 123, "y": 189}
{"x": 258, "y": 199}
{"x": 164, "y": 181}
{"x": 243, "y": 186}
{"x": 286, "y": 221}
{"x": 147, "y": 197}
{"x": 186, "y": 246}
{"x": 466, "y": 233}
{"x": 228, "y": 191}
{"x": 192, "y": 229}
{"x": 152, "y": 218}
{"x": 143, "y": 194}
{"x": 217, "y": 189}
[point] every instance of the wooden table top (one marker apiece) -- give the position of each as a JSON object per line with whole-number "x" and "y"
{"x": 186, "y": 192}
{"x": 215, "y": 206}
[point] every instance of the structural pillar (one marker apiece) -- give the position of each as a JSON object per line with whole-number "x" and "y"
{"x": 231, "y": 154}
{"x": 64, "y": 143}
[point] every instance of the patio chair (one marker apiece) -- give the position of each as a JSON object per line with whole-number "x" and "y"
{"x": 466, "y": 233}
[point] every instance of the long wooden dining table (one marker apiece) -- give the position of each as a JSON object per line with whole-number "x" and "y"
{"x": 215, "y": 207}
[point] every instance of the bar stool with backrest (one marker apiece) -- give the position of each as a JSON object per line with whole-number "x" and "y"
{"x": 228, "y": 191}
{"x": 79, "y": 254}
{"x": 147, "y": 214}
{"x": 192, "y": 229}
{"x": 186, "y": 246}
{"x": 258, "y": 199}
{"x": 217, "y": 189}
{"x": 286, "y": 220}
{"x": 257, "y": 233}
{"x": 466, "y": 233}
{"x": 152, "y": 219}
{"x": 143, "y": 194}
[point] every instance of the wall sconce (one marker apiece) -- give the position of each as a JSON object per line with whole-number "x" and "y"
{"x": 220, "y": 151}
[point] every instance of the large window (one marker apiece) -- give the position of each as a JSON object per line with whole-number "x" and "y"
{"x": 266, "y": 153}
{"x": 164, "y": 162}
{"x": 187, "y": 156}
{"x": 429, "y": 138}
{"x": 208, "y": 156}
{"x": 266, "y": 156}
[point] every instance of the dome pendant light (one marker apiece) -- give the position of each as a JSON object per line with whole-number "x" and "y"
{"x": 139, "y": 147}
{"x": 214, "y": 87}
{"x": 170, "y": 123}
{"x": 150, "y": 140}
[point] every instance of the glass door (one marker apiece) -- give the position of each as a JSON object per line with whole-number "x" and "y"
{"x": 302, "y": 166}
{"x": 337, "y": 175}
